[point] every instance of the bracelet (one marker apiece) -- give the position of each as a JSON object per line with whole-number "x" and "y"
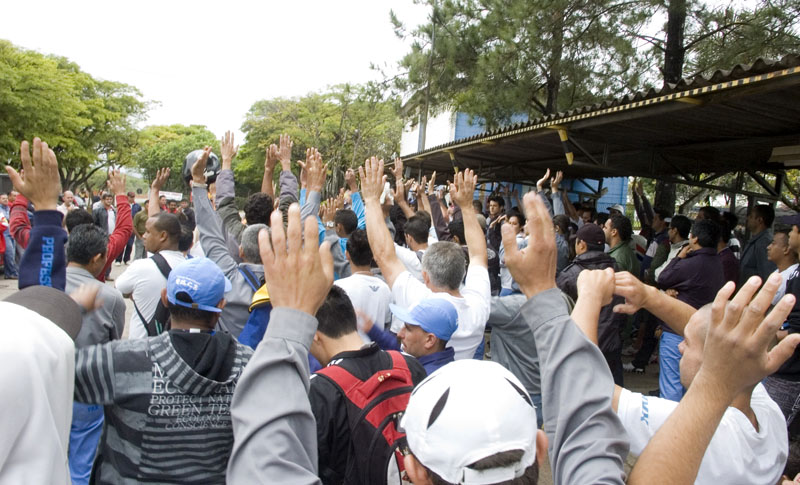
{"x": 202, "y": 186}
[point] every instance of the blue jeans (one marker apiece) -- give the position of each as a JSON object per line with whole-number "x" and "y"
{"x": 669, "y": 374}
{"x": 10, "y": 260}
{"x": 537, "y": 401}
{"x": 84, "y": 436}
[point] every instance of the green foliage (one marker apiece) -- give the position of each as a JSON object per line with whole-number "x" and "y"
{"x": 497, "y": 58}
{"x": 89, "y": 123}
{"x": 167, "y": 146}
{"x": 347, "y": 124}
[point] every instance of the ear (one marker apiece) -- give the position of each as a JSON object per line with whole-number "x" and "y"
{"x": 97, "y": 258}
{"x": 164, "y": 297}
{"x": 425, "y": 278}
{"x": 541, "y": 446}
{"x": 241, "y": 253}
{"x": 430, "y": 341}
{"x": 347, "y": 256}
{"x": 221, "y": 304}
{"x": 416, "y": 472}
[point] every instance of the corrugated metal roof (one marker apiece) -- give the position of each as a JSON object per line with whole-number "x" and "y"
{"x": 739, "y": 75}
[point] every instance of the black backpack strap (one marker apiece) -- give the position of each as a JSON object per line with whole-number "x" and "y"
{"x": 251, "y": 279}
{"x": 162, "y": 264}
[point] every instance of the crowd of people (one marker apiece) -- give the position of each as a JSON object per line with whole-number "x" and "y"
{"x": 345, "y": 340}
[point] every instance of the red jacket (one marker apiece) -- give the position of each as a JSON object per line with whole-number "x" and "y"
{"x": 118, "y": 239}
{"x": 20, "y": 224}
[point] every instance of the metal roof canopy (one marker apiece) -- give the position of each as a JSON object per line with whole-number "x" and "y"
{"x": 691, "y": 133}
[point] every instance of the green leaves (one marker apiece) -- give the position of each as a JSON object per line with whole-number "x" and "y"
{"x": 89, "y": 123}
{"x": 347, "y": 123}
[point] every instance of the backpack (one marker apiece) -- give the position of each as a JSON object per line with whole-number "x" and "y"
{"x": 374, "y": 409}
{"x": 159, "y": 322}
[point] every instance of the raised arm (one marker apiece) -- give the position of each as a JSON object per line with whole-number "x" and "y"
{"x": 44, "y": 261}
{"x": 736, "y": 357}
{"x": 357, "y": 204}
{"x": 119, "y": 238}
{"x": 587, "y": 440}
{"x": 288, "y": 182}
{"x": 269, "y": 170}
{"x": 275, "y": 433}
{"x": 372, "y": 182}
{"x": 671, "y": 311}
{"x": 462, "y": 192}
{"x": 19, "y": 224}
{"x": 316, "y": 172}
{"x": 209, "y": 223}
{"x": 153, "y": 207}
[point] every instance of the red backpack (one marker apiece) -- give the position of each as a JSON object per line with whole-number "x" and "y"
{"x": 374, "y": 408}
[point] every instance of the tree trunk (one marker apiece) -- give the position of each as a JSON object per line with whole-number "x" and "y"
{"x": 665, "y": 196}
{"x": 554, "y": 76}
{"x": 675, "y": 52}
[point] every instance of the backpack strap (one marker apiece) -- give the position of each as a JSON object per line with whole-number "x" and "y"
{"x": 162, "y": 264}
{"x": 250, "y": 278}
{"x": 358, "y": 391}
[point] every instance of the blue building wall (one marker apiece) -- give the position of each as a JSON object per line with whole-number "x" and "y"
{"x": 617, "y": 186}
{"x": 617, "y": 191}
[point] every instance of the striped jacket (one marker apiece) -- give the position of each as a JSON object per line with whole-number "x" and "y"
{"x": 165, "y": 423}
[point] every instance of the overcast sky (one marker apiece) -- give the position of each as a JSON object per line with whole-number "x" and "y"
{"x": 207, "y": 62}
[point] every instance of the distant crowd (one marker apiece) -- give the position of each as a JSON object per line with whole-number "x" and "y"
{"x": 398, "y": 331}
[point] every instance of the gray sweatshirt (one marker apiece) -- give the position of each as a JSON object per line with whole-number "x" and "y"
{"x": 587, "y": 443}
{"x": 274, "y": 431}
{"x": 213, "y": 241}
{"x": 512, "y": 342}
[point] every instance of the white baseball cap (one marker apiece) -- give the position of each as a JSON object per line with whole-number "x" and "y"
{"x": 618, "y": 207}
{"x": 466, "y": 411}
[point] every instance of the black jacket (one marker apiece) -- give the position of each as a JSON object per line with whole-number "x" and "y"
{"x": 100, "y": 216}
{"x": 330, "y": 410}
{"x": 610, "y": 323}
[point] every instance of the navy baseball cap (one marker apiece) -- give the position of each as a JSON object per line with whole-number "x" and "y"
{"x": 435, "y": 315}
{"x": 202, "y": 283}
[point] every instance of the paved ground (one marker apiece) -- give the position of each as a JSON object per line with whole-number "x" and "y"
{"x": 643, "y": 383}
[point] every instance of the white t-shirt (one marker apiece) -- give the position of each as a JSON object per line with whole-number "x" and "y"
{"x": 112, "y": 220}
{"x": 473, "y": 306}
{"x": 37, "y": 378}
{"x": 144, "y": 281}
{"x": 737, "y": 454}
{"x": 785, "y": 274}
{"x": 410, "y": 260}
{"x": 370, "y": 296}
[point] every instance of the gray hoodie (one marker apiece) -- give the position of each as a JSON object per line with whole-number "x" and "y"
{"x": 213, "y": 241}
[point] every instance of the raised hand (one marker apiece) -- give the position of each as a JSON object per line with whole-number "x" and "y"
{"x": 737, "y": 351}
{"x": 462, "y": 191}
{"x": 199, "y": 167}
{"x": 432, "y": 183}
{"x": 116, "y": 182}
{"x": 555, "y": 182}
{"x": 398, "y": 170}
{"x": 328, "y": 211}
{"x": 541, "y": 181}
{"x": 40, "y": 181}
{"x": 161, "y": 178}
{"x": 311, "y": 265}
{"x": 315, "y": 170}
{"x": 272, "y": 159}
{"x": 228, "y": 150}
{"x": 372, "y": 179}
{"x": 533, "y": 268}
{"x": 285, "y": 152}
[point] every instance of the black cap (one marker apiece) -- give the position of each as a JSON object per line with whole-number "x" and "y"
{"x": 591, "y": 234}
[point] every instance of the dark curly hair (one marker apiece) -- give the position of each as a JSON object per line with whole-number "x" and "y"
{"x": 258, "y": 208}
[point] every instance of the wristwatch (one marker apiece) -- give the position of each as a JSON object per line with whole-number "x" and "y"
{"x": 195, "y": 184}
{"x": 329, "y": 224}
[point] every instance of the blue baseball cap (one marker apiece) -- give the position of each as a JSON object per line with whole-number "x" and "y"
{"x": 201, "y": 280}
{"x": 435, "y": 315}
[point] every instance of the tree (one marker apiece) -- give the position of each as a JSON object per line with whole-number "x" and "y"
{"x": 89, "y": 123}
{"x": 167, "y": 146}
{"x": 700, "y": 38}
{"x": 347, "y": 124}
{"x": 498, "y": 58}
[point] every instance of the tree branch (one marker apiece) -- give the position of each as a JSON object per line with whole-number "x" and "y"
{"x": 705, "y": 36}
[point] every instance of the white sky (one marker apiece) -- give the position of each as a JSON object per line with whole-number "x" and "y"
{"x": 208, "y": 62}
